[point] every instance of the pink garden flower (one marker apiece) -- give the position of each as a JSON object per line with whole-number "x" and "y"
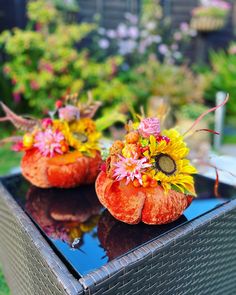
{"x": 130, "y": 169}
{"x": 17, "y": 97}
{"x": 34, "y": 85}
{"x": 69, "y": 113}
{"x": 149, "y": 126}
{"x": 49, "y": 142}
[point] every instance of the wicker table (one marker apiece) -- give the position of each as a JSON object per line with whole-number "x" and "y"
{"x": 197, "y": 258}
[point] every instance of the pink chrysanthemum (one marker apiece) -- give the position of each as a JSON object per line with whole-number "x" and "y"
{"x": 49, "y": 142}
{"x": 130, "y": 169}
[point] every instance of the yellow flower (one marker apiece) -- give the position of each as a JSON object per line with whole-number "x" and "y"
{"x": 170, "y": 166}
{"x": 80, "y": 135}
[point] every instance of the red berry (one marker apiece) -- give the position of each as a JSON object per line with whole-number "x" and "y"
{"x": 58, "y": 104}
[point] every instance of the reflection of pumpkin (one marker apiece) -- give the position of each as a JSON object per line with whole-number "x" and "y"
{"x": 111, "y": 232}
{"x": 64, "y": 214}
{"x": 132, "y": 205}
{"x": 63, "y": 171}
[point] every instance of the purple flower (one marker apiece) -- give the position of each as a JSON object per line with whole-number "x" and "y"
{"x": 17, "y": 97}
{"x": 133, "y": 19}
{"x": 163, "y": 49}
{"x": 133, "y": 32}
{"x": 111, "y": 34}
{"x": 127, "y": 47}
{"x": 122, "y": 31}
{"x": 103, "y": 43}
{"x": 184, "y": 27}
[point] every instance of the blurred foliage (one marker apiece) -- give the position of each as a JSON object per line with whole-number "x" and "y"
{"x": 66, "y": 5}
{"x": 8, "y": 161}
{"x": 223, "y": 72}
{"x": 44, "y": 63}
{"x": 175, "y": 84}
{"x": 193, "y": 111}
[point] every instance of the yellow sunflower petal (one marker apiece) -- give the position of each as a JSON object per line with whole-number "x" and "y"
{"x": 153, "y": 145}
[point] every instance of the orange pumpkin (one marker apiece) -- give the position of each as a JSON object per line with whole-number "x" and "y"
{"x": 132, "y": 205}
{"x": 63, "y": 171}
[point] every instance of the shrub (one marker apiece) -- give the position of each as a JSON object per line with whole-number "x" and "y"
{"x": 44, "y": 63}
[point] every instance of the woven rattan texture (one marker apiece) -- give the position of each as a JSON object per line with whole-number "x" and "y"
{"x": 197, "y": 259}
{"x": 30, "y": 266}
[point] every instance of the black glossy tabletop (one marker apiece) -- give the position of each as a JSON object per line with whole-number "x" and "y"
{"x": 85, "y": 235}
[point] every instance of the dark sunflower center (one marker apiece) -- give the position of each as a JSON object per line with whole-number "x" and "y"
{"x": 165, "y": 164}
{"x": 80, "y": 136}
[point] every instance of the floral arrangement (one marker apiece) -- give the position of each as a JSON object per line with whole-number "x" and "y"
{"x": 148, "y": 177}
{"x": 148, "y": 169}
{"x": 211, "y": 15}
{"x": 61, "y": 150}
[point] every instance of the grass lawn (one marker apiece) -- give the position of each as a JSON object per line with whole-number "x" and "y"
{"x": 8, "y": 160}
{"x": 4, "y": 290}
{"x": 229, "y": 139}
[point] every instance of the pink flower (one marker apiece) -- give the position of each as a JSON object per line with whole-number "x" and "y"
{"x": 34, "y": 85}
{"x": 149, "y": 126}
{"x": 163, "y": 49}
{"x": 184, "y": 27}
{"x": 49, "y": 142}
{"x": 232, "y": 49}
{"x": 17, "y": 147}
{"x": 69, "y": 113}
{"x": 6, "y": 69}
{"x": 47, "y": 122}
{"x": 130, "y": 169}
{"x": 16, "y": 97}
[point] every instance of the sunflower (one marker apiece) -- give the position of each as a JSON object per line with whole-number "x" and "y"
{"x": 80, "y": 135}
{"x": 169, "y": 164}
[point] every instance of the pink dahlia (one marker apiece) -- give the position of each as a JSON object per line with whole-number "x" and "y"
{"x": 49, "y": 142}
{"x": 130, "y": 169}
{"x": 149, "y": 126}
{"x": 69, "y": 113}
